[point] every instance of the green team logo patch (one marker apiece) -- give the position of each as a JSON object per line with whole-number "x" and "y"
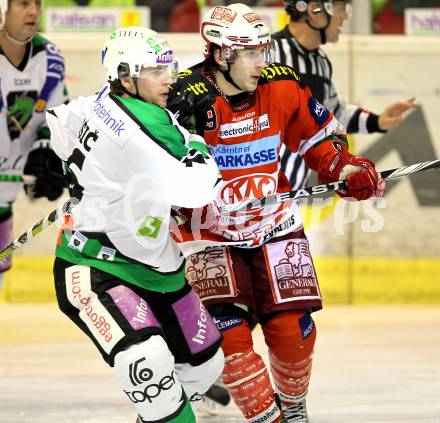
{"x": 150, "y": 227}
{"x": 157, "y": 45}
{"x": 20, "y": 109}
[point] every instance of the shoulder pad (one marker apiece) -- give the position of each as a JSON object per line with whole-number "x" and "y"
{"x": 193, "y": 81}
{"x": 279, "y": 34}
{"x": 192, "y": 74}
{"x": 111, "y": 119}
{"x": 38, "y": 40}
{"x": 278, "y": 72}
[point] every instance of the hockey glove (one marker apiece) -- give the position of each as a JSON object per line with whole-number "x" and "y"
{"x": 46, "y": 166}
{"x": 332, "y": 161}
{"x": 362, "y": 179}
{"x": 360, "y": 175}
{"x": 184, "y": 106}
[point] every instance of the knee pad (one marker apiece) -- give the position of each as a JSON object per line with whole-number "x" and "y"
{"x": 147, "y": 376}
{"x": 237, "y": 336}
{"x": 247, "y": 379}
{"x": 291, "y": 338}
{"x": 196, "y": 380}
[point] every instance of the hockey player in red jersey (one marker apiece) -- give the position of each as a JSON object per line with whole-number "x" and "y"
{"x": 257, "y": 265}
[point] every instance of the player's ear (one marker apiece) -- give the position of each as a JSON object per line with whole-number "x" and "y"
{"x": 220, "y": 59}
{"x": 127, "y": 83}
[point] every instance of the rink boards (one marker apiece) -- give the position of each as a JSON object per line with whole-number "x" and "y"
{"x": 385, "y": 252}
{"x": 356, "y": 281}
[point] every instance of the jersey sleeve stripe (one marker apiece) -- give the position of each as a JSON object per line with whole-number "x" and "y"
{"x": 305, "y": 145}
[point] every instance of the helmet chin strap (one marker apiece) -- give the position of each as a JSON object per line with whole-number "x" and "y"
{"x": 137, "y": 96}
{"x": 322, "y": 32}
{"x": 14, "y": 40}
{"x": 228, "y": 77}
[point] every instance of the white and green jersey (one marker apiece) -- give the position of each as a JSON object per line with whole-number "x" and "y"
{"x": 26, "y": 91}
{"x": 130, "y": 161}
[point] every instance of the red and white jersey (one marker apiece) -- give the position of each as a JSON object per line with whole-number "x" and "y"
{"x": 245, "y": 134}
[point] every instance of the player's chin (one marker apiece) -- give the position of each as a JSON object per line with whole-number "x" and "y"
{"x": 252, "y": 84}
{"x": 334, "y": 38}
{"x": 162, "y": 101}
{"x": 30, "y": 31}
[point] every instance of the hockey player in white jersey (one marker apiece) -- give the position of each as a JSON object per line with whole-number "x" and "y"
{"x": 31, "y": 79}
{"x": 118, "y": 274}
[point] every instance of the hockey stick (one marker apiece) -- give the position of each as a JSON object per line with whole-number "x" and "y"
{"x": 51, "y": 218}
{"x": 36, "y": 229}
{"x": 243, "y": 206}
{"x": 27, "y": 179}
{"x": 321, "y": 189}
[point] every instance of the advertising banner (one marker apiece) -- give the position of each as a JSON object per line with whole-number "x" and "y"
{"x": 94, "y": 19}
{"x": 422, "y": 21}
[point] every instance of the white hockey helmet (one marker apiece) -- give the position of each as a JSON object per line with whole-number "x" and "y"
{"x": 233, "y": 27}
{"x": 130, "y": 49}
{"x": 3, "y": 10}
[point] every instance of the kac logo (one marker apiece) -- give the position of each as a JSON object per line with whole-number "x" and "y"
{"x": 244, "y": 187}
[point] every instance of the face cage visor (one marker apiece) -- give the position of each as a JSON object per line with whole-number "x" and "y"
{"x": 251, "y": 55}
{"x": 338, "y": 8}
{"x": 159, "y": 72}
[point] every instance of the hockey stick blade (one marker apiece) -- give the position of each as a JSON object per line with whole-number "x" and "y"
{"x": 36, "y": 229}
{"x": 322, "y": 189}
{"x": 218, "y": 394}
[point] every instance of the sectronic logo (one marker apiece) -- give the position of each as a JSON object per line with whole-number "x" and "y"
{"x": 151, "y": 391}
{"x": 244, "y": 127}
{"x": 244, "y": 187}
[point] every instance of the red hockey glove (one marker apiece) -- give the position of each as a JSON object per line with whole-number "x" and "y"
{"x": 332, "y": 161}
{"x": 361, "y": 177}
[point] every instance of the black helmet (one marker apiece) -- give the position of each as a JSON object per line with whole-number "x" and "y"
{"x": 297, "y": 9}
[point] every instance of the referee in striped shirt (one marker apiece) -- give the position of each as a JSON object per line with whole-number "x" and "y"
{"x": 313, "y": 23}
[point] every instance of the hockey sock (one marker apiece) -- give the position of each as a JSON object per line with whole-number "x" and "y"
{"x": 246, "y": 377}
{"x": 290, "y": 337}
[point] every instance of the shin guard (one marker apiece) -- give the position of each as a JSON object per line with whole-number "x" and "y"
{"x": 196, "y": 380}
{"x": 246, "y": 377}
{"x": 148, "y": 378}
{"x": 291, "y": 338}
